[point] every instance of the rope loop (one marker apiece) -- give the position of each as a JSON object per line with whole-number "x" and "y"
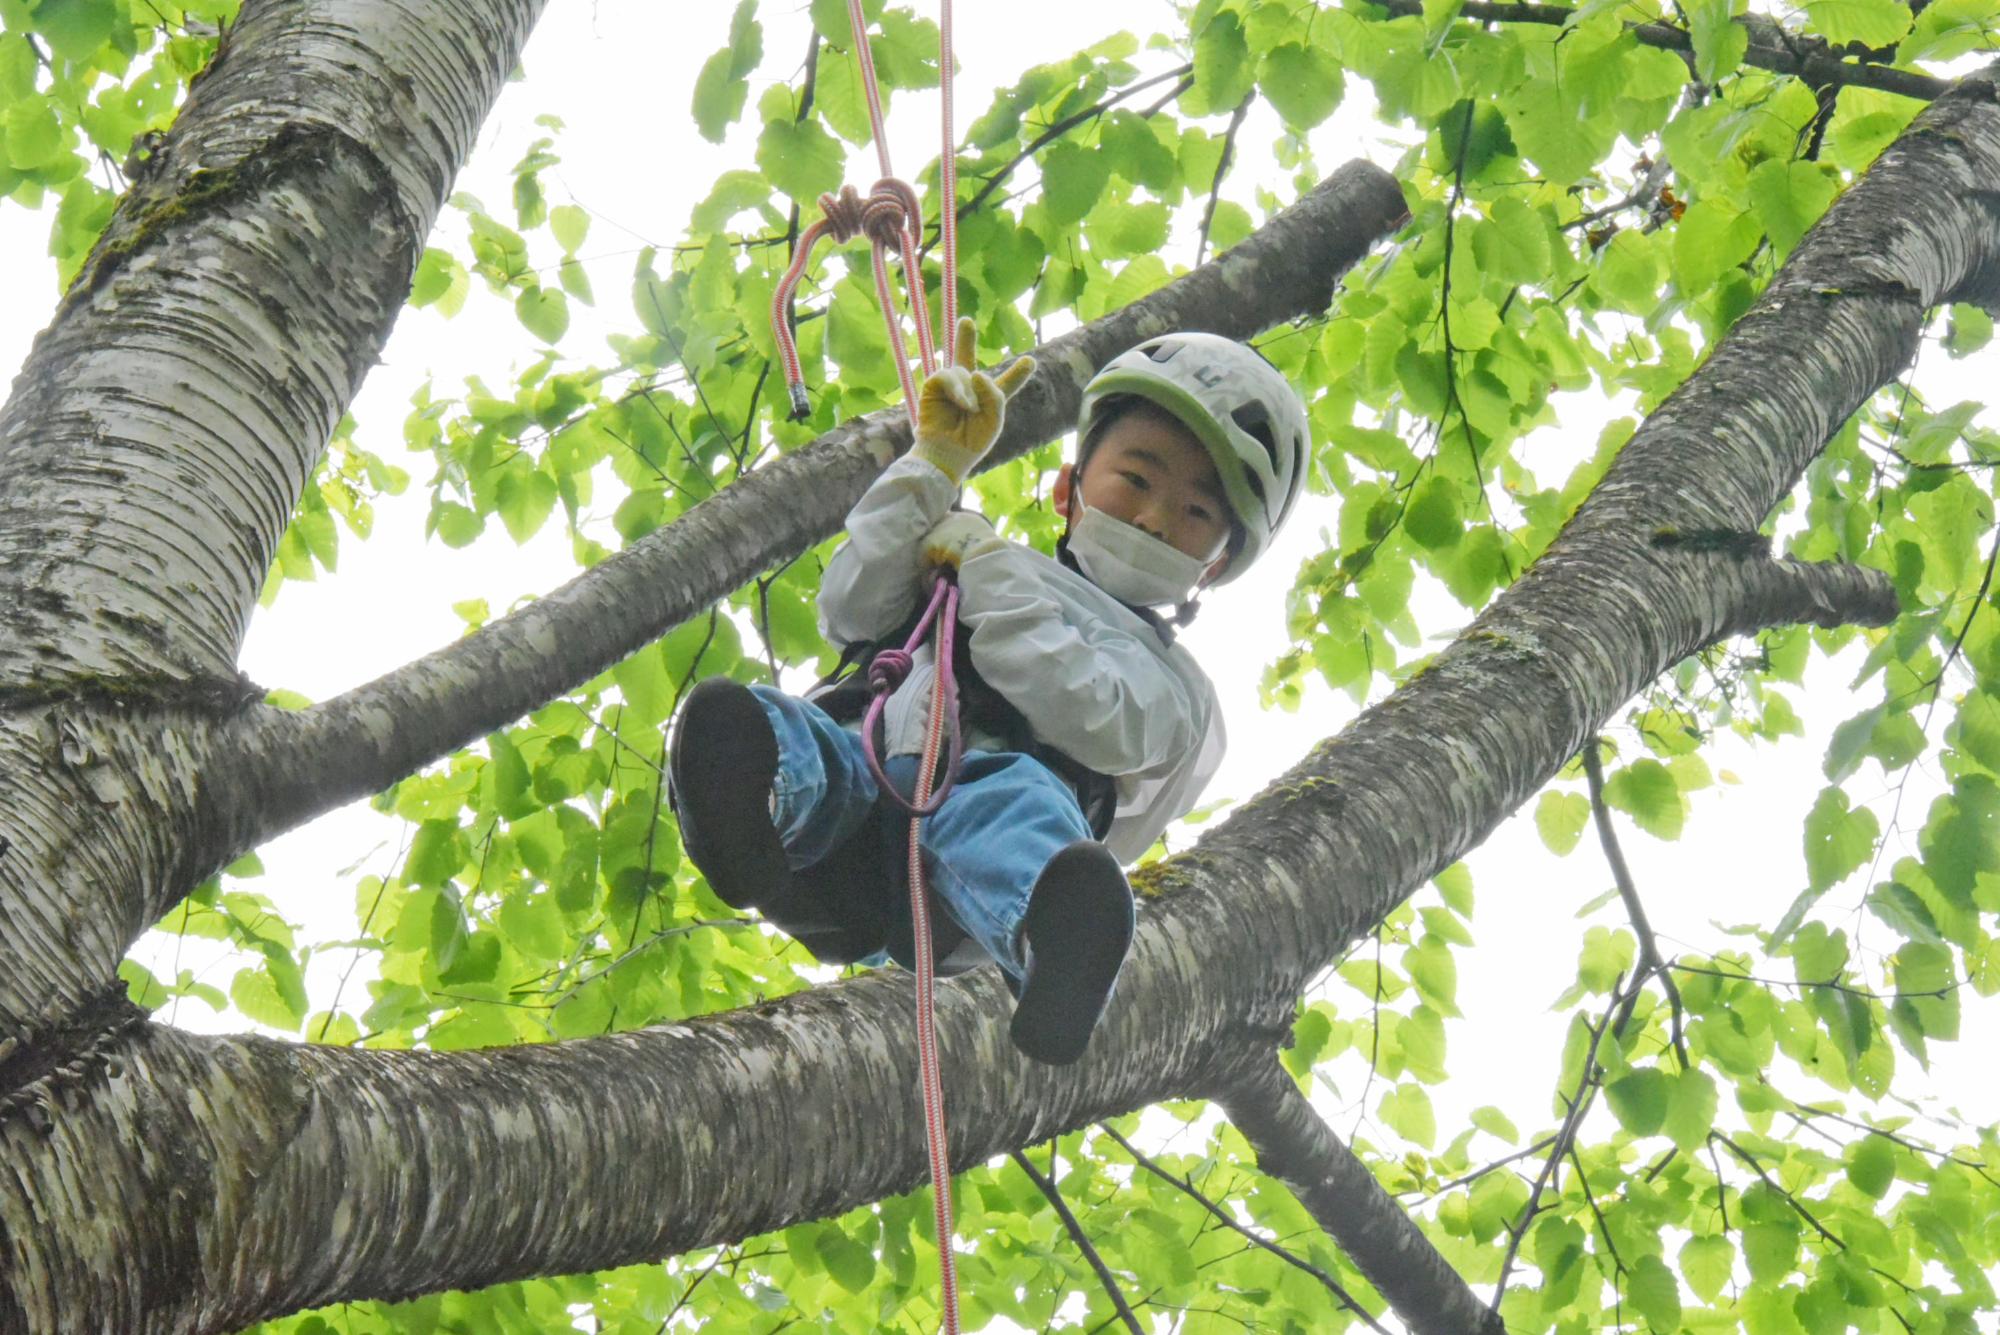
{"x": 888, "y": 670}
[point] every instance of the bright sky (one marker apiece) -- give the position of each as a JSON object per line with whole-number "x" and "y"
{"x": 618, "y": 72}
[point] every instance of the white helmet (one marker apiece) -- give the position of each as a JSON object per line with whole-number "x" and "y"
{"x": 1238, "y": 405}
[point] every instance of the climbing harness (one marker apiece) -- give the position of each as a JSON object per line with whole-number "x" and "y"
{"x": 887, "y": 672}
{"x": 891, "y": 217}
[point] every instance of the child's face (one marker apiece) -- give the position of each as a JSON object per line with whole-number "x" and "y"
{"x": 1152, "y": 473}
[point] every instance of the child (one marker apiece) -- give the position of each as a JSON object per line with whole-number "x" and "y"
{"x": 1192, "y": 449}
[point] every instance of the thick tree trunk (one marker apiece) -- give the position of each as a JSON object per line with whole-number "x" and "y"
{"x": 802, "y": 1107}
{"x": 159, "y": 437}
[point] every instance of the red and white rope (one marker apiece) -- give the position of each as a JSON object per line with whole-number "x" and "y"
{"x": 892, "y": 219}
{"x": 929, "y": 1075}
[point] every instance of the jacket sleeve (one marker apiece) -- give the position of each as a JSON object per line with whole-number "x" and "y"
{"x": 871, "y": 584}
{"x": 1095, "y": 689}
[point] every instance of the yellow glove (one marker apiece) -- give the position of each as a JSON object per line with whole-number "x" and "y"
{"x": 955, "y": 539}
{"x": 959, "y": 409}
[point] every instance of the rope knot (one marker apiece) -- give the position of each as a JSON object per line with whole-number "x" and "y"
{"x": 887, "y": 671}
{"x": 891, "y": 207}
{"x": 844, "y": 213}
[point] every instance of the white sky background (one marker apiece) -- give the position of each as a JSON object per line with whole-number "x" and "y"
{"x": 619, "y": 73}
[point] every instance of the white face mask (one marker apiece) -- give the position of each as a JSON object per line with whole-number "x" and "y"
{"x": 1130, "y": 564}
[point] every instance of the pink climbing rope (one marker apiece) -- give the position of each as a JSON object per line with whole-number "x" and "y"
{"x": 888, "y": 671}
{"x": 891, "y": 217}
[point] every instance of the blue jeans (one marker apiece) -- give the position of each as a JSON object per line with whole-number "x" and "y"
{"x": 1005, "y": 818}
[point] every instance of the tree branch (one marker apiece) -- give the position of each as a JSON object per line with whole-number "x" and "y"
{"x": 309, "y": 1174}
{"x": 1771, "y": 47}
{"x": 1221, "y": 171}
{"x": 370, "y": 737}
{"x": 1295, "y": 1145}
{"x": 1651, "y": 963}
{"x": 1082, "y": 1240}
{"x": 1255, "y": 1239}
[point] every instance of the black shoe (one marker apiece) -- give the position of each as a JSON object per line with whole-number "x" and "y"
{"x": 725, "y": 757}
{"x": 1077, "y": 930}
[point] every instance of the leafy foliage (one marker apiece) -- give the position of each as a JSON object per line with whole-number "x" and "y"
{"x": 1589, "y": 213}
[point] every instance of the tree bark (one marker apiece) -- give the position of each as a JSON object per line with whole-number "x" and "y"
{"x": 159, "y": 437}
{"x": 160, "y": 1180}
{"x": 1296, "y": 1146}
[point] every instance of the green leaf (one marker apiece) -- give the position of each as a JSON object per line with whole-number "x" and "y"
{"x": 1605, "y": 958}
{"x": 1872, "y": 23}
{"x": 1837, "y": 840}
{"x": 524, "y": 501}
{"x": 1072, "y": 179}
{"x": 1454, "y": 885}
{"x": 570, "y": 225}
{"x": 436, "y": 853}
{"x": 1406, "y": 1110}
{"x": 1707, "y": 1264}
{"x": 1691, "y": 1108}
{"x": 1560, "y": 818}
{"x": 1719, "y": 41}
{"x": 1771, "y": 1250}
{"x": 1646, "y": 791}
{"x": 851, "y": 1264}
{"x": 1435, "y": 973}
{"x": 1223, "y": 68}
{"x": 1303, "y": 83}
{"x": 1970, "y": 330}
{"x": 1790, "y": 197}
{"x": 1656, "y": 1292}
{"x": 1495, "y": 1123}
{"x": 1433, "y": 519}
{"x": 719, "y": 96}
{"x": 1712, "y": 237}
{"x": 35, "y": 136}
{"x": 746, "y": 39}
{"x": 1640, "y": 1099}
{"x": 1628, "y": 271}
{"x": 1871, "y": 1166}
{"x": 800, "y": 158}
{"x": 257, "y": 994}
{"x": 648, "y": 690}
{"x": 76, "y": 29}
{"x": 544, "y": 311}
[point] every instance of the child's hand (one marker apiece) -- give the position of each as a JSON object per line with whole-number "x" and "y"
{"x": 955, "y": 538}
{"x": 959, "y": 409}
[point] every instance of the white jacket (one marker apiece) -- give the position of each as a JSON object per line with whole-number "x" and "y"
{"x": 1092, "y": 678}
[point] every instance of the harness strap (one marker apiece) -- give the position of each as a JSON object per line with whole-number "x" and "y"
{"x": 887, "y": 671}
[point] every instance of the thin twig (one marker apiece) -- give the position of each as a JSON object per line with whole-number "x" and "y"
{"x": 1221, "y": 170}
{"x": 1078, "y": 1236}
{"x": 1651, "y": 963}
{"x": 1333, "y": 1285}
{"x": 1478, "y": 1173}
{"x": 1586, "y": 1087}
{"x": 1061, "y": 128}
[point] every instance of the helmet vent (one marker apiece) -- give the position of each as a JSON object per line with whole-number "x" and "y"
{"x": 1161, "y": 350}
{"x": 1255, "y": 422}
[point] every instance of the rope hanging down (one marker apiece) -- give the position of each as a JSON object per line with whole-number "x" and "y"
{"x": 891, "y": 217}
